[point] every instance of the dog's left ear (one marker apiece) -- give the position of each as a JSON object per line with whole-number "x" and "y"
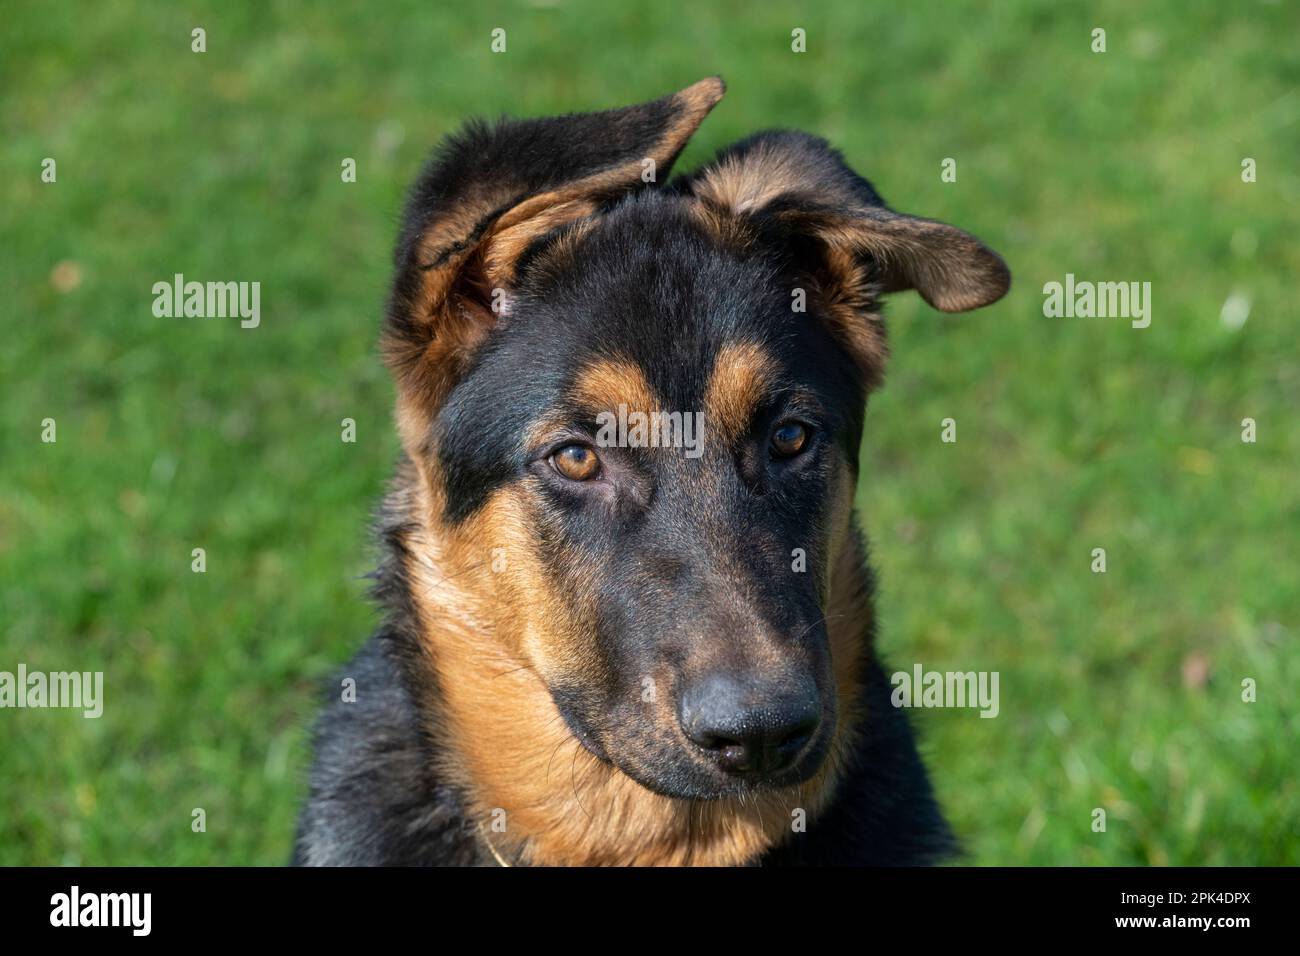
{"x": 489, "y": 194}
{"x": 800, "y": 181}
{"x": 796, "y": 190}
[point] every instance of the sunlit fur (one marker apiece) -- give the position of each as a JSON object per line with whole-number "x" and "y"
{"x": 502, "y": 714}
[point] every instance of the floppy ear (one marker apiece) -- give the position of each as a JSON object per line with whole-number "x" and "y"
{"x": 796, "y": 189}
{"x": 490, "y": 192}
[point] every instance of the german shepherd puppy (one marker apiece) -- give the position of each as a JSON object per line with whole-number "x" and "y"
{"x": 600, "y": 648}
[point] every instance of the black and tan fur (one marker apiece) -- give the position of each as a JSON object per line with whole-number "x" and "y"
{"x": 502, "y": 711}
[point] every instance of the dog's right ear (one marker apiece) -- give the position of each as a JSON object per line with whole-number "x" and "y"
{"x": 489, "y": 193}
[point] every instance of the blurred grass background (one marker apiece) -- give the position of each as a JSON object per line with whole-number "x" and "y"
{"x": 1118, "y": 690}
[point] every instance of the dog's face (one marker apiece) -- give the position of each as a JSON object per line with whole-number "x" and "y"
{"x": 642, "y": 407}
{"x": 672, "y": 580}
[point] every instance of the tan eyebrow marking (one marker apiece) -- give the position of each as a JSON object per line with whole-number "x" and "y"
{"x": 606, "y": 384}
{"x": 742, "y": 374}
{"x": 602, "y": 386}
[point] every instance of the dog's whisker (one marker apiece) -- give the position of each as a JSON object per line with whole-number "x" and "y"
{"x": 572, "y": 778}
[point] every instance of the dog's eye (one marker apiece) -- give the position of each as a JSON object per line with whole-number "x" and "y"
{"x": 788, "y": 439}
{"x": 576, "y": 462}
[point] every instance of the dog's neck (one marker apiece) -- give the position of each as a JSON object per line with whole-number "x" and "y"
{"x": 532, "y": 792}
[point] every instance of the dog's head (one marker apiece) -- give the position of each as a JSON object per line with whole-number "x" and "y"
{"x": 639, "y": 404}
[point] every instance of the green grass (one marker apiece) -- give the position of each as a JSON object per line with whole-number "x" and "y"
{"x": 1072, "y": 433}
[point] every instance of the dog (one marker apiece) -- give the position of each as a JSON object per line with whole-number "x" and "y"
{"x": 599, "y": 648}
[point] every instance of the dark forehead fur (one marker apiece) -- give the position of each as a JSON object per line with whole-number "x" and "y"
{"x": 647, "y": 284}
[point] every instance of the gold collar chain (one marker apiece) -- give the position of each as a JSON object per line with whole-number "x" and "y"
{"x": 492, "y": 849}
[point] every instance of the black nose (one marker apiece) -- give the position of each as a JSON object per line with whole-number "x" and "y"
{"x": 750, "y": 728}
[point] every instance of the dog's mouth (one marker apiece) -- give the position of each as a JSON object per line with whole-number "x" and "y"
{"x": 708, "y": 764}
